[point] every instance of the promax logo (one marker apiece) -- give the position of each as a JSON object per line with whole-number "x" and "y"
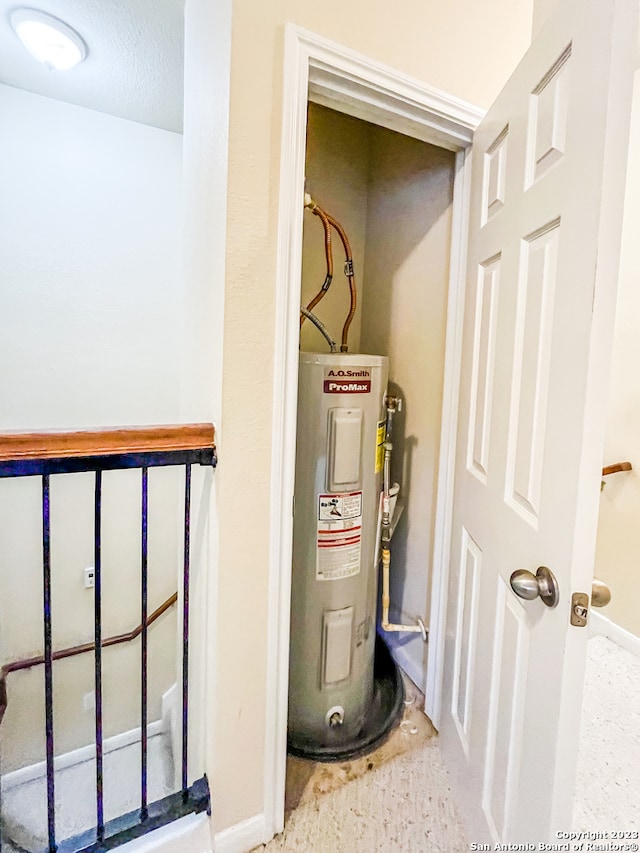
{"x": 342, "y": 386}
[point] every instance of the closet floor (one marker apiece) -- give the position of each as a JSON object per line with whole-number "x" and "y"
{"x": 396, "y": 798}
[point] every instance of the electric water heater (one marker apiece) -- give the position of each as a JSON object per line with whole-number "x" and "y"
{"x": 339, "y": 463}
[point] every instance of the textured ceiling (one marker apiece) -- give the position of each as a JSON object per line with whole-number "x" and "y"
{"x": 134, "y": 66}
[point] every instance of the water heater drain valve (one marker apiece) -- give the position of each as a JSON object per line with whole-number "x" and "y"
{"x": 334, "y": 716}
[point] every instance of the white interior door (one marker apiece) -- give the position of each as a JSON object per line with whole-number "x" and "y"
{"x": 547, "y": 187}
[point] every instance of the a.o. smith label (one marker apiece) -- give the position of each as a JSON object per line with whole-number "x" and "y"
{"x": 339, "y": 380}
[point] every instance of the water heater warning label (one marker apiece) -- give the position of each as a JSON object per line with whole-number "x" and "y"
{"x": 339, "y": 536}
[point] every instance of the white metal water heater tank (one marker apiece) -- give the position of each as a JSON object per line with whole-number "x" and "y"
{"x": 339, "y": 461}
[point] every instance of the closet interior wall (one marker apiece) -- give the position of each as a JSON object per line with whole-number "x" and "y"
{"x": 393, "y": 195}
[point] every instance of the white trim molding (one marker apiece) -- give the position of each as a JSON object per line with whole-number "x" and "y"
{"x": 353, "y": 84}
{"x": 242, "y": 836}
{"x": 192, "y": 832}
{"x": 600, "y": 626}
{"x": 27, "y": 774}
{"x": 448, "y": 429}
{"x": 334, "y": 76}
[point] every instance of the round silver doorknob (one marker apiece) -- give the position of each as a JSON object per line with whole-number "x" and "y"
{"x": 529, "y": 586}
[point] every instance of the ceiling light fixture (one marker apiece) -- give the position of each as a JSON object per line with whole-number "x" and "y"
{"x": 48, "y": 39}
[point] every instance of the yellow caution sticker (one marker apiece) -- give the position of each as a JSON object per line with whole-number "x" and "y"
{"x": 380, "y": 447}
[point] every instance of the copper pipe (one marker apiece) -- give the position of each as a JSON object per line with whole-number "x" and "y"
{"x": 327, "y": 220}
{"x": 348, "y": 269}
{"x": 317, "y": 211}
{"x": 28, "y": 663}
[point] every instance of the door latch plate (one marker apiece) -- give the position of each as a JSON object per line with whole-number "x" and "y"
{"x": 579, "y": 609}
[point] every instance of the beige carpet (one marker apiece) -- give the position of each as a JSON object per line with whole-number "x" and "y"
{"x": 395, "y": 799}
{"x": 404, "y": 805}
{"x": 608, "y": 772}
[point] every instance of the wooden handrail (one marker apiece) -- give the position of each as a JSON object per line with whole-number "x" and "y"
{"x": 56, "y": 444}
{"x": 615, "y": 469}
{"x": 28, "y": 663}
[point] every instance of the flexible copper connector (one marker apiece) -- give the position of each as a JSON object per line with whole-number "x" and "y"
{"x": 317, "y": 211}
{"x": 348, "y": 269}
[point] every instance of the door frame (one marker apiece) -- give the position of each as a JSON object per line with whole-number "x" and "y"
{"x": 328, "y": 74}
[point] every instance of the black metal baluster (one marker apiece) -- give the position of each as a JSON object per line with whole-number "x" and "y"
{"x": 98, "y": 653}
{"x": 48, "y": 663}
{"x": 185, "y": 631}
{"x": 187, "y": 800}
{"x": 143, "y": 674}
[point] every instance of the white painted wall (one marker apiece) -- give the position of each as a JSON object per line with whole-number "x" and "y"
{"x": 337, "y": 177}
{"x": 90, "y": 335}
{"x": 91, "y": 229}
{"x": 206, "y": 138}
{"x": 541, "y": 11}
{"x": 618, "y": 543}
{"x": 404, "y": 314}
{"x": 205, "y": 154}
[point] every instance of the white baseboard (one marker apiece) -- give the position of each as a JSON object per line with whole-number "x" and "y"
{"x": 77, "y": 756}
{"x": 190, "y": 834}
{"x": 600, "y": 626}
{"x": 172, "y": 723}
{"x": 242, "y": 837}
{"x": 399, "y": 648}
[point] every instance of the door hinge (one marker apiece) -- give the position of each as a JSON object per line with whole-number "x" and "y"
{"x": 579, "y": 609}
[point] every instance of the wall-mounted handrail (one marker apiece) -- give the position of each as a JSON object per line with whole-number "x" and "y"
{"x": 28, "y": 663}
{"x": 615, "y": 469}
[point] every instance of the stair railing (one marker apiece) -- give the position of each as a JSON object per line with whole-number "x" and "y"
{"x": 45, "y": 454}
